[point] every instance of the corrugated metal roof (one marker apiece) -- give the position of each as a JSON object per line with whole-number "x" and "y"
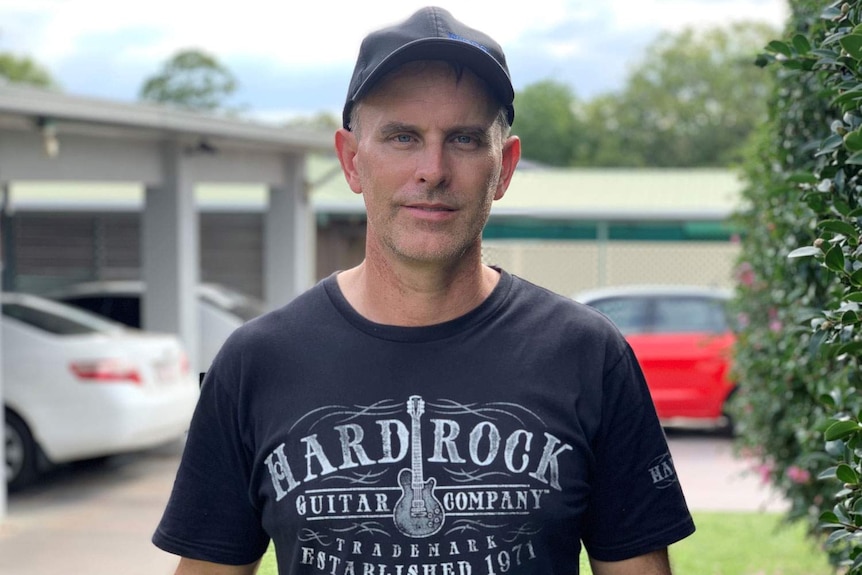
{"x": 641, "y": 190}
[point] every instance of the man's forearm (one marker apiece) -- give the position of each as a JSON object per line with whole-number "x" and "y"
{"x": 655, "y": 563}
{"x": 195, "y": 567}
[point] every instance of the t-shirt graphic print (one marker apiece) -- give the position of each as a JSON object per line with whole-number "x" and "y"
{"x": 470, "y": 510}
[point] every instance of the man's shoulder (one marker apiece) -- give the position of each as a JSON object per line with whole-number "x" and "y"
{"x": 526, "y": 291}
{"x": 560, "y": 310}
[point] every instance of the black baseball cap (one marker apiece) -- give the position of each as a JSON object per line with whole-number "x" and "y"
{"x": 429, "y": 34}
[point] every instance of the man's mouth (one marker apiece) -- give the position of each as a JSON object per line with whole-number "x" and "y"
{"x": 431, "y": 208}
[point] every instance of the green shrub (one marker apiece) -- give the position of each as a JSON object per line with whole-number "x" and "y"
{"x": 800, "y": 277}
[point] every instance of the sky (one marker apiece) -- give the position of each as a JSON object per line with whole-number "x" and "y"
{"x": 295, "y": 58}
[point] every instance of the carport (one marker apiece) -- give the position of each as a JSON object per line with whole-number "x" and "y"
{"x": 47, "y": 136}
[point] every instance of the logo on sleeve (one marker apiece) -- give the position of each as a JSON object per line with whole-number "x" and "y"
{"x": 662, "y": 472}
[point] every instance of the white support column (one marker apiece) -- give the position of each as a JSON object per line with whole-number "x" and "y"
{"x": 170, "y": 258}
{"x": 602, "y": 241}
{"x": 289, "y": 240}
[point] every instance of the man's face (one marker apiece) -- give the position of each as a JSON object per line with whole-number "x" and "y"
{"x": 429, "y": 158}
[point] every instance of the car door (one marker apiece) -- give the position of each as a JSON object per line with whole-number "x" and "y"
{"x": 685, "y": 356}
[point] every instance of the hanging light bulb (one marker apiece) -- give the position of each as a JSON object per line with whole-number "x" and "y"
{"x": 49, "y": 136}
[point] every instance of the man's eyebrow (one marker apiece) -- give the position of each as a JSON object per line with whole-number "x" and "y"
{"x": 479, "y": 129}
{"x": 399, "y": 127}
{"x": 395, "y": 128}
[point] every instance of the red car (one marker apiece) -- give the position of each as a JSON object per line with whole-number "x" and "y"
{"x": 683, "y": 340}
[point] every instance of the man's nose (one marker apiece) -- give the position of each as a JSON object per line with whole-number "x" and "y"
{"x": 432, "y": 165}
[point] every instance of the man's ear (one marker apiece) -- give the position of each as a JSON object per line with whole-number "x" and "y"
{"x": 511, "y": 156}
{"x": 345, "y": 148}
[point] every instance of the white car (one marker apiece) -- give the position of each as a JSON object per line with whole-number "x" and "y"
{"x": 220, "y": 309}
{"x": 77, "y": 386}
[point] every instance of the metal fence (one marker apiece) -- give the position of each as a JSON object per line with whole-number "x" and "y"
{"x": 568, "y": 267}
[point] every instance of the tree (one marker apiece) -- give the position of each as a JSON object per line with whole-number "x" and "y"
{"x": 24, "y": 70}
{"x": 692, "y": 101}
{"x": 193, "y": 80}
{"x": 603, "y": 141}
{"x": 546, "y": 122}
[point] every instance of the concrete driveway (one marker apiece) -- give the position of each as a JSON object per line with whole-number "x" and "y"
{"x": 96, "y": 519}
{"x": 713, "y": 479}
{"x": 92, "y": 519}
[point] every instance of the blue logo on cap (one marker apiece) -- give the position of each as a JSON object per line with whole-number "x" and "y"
{"x": 468, "y": 41}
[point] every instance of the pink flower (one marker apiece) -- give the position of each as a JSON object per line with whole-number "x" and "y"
{"x": 745, "y": 274}
{"x": 798, "y": 475}
{"x": 764, "y": 470}
{"x": 774, "y": 321}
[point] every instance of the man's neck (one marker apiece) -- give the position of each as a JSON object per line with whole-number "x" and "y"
{"x": 416, "y": 295}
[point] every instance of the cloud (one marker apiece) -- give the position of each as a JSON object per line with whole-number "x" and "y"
{"x": 674, "y": 15}
{"x": 290, "y": 33}
{"x": 593, "y": 46}
{"x": 291, "y": 55}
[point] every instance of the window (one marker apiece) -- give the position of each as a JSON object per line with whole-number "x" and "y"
{"x": 125, "y": 309}
{"x": 689, "y": 314}
{"x": 47, "y": 321}
{"x": 630, "y": 314}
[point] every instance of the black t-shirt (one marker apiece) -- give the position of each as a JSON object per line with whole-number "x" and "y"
{"x": 493, "y": 443}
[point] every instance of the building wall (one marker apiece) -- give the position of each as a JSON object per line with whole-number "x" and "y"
{"x": 45, "y": 250}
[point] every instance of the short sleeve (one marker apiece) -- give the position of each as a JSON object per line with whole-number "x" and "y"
{"x": 210, "y": 515}
{"x": 636, "y": 505}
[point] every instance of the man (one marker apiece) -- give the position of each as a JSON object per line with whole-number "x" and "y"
{"x": 423, "y": 413}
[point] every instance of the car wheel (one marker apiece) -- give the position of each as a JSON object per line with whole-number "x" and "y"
{"x": 21, "y": 452}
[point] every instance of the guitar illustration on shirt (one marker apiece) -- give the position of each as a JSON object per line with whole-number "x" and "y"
{"x": 418, "y": 513}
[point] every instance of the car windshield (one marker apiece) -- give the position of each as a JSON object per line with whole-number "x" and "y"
{"x": 65, "y": 321}
{"x": 629, "y": 314}
{"x": 688, "y": 315}
{"x": 665, "y": 314}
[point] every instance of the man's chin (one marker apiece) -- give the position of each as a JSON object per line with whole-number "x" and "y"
{"x": 441, "y": 255}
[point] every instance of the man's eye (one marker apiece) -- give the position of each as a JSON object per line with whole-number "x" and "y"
{"x": 466, "y": 141}
{"x": 403, "y": 138}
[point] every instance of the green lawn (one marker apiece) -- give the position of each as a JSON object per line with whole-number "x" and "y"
{"x": 726, "y": 544}
{"x": 747, "y": 544}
